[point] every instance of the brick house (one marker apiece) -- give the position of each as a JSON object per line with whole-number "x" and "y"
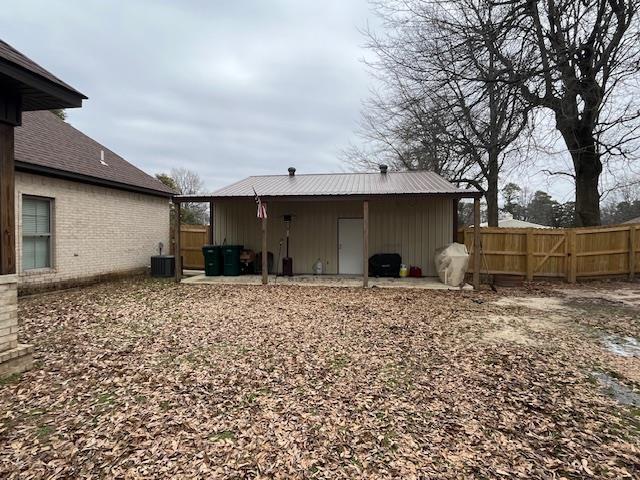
{"x": 83, "y": 213}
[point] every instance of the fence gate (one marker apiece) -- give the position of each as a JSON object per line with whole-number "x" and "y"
{"x": 192, "y": 239}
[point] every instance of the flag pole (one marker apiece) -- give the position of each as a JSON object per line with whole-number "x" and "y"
{"x": 265, "y": 264}
{"x": 262, "y": 214}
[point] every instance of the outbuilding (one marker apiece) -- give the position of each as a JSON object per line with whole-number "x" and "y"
{"x": 339, "y": 219}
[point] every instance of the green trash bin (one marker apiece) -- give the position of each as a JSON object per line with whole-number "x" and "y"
{"x": 231, "y": 255}
{"x": 212, "y": 260}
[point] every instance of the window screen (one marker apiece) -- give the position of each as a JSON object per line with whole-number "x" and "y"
{"x": 36, "y": 233}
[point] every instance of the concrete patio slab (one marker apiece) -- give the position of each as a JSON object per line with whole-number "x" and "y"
{"x": 427, "y": 283}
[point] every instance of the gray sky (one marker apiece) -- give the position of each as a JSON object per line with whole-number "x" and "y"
{"x": 225, "y": 88}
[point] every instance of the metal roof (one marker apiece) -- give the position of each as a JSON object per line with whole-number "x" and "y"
{"x": 344, "y": 184}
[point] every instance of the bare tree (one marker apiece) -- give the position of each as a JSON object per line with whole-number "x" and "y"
{"x": 576, "y": 58}
{"x": 409, "y": 133}
{"x": 490, "y": 116}
{"x": 187, "y": 182}
{"x": 441, "y": 84}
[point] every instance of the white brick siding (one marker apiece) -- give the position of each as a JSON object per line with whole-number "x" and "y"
{"x": 95, "y": 230}
{"x": 8, "y": 313}
{"x": 14, "y": 357}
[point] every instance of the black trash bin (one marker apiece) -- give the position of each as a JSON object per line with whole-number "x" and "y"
{"x": 212, "y": 260}
{"x": 231, "y": 254}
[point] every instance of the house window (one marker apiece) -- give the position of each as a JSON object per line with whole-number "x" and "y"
{"x": 36, "y": 233}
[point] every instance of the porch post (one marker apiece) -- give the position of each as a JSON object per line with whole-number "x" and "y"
{"x": 211, "y": 232}
{"x": 176, "y": 240}
{"x": 265, "y": 253}
{"x": 365, "y": 243}
{"x": 7, "y": 201}
{"x": 14, "y": 357}
{"x": 476, "y": 243}
{"x": 456, "y": 203}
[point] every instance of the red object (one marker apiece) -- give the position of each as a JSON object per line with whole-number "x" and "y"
{"x": 415, "y": 272}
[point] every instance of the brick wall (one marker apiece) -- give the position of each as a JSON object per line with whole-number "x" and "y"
{"x": 8, "y": 313}
{"x": 14, "y": 357}
{"x": 96, "y": 230}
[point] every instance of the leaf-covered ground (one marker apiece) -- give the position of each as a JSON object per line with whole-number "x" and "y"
{"x": 146, "y": 379}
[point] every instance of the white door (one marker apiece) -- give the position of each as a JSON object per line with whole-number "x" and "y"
{"x": 350, "y": 246}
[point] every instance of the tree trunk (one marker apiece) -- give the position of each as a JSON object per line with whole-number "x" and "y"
{"x": 491, "y": 195}
{"x": 588, "y": 167}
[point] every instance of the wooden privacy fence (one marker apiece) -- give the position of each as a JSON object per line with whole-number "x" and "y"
{"x": 568, "y": 253}
{"x": 192, "y": 238}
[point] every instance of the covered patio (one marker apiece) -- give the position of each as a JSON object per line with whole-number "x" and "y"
{"x": 425, "y": 283}
{"x": 333, "y": 223}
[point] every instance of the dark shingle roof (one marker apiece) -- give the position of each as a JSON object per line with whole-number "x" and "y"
{"x": 391, "y": 183}
{"x": 46, "y": 143}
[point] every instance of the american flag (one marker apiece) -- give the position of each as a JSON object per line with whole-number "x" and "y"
{"x": 262, "y": 207}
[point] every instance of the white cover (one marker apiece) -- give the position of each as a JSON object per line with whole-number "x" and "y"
{"x": 451, "y": 264}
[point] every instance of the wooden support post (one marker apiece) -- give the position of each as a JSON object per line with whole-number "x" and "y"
{"x": 632, "y": 252}
{"x": 176, "y": 240}
{"x": 572, "y": 259}
{"x": 530, "y": 258}
{"x": 7, "y": 201}
{"x": 456, "y": 203}
{"x": 211, "y": 224}
{"x": 365, "y": 243}
{"x": 476, "y": 243}
{"x": 265, "y": 253}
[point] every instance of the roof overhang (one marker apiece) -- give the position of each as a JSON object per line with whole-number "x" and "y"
{"x": 76, "y": 177}
{"x": 23, "y": 90}
{"x": 325, "y": 198}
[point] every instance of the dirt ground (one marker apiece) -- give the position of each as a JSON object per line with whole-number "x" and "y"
{"x": 147, "y": 379}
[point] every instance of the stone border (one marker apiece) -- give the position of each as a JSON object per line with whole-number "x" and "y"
{"x": 37, "y": 288}
{"x": 16, "y": 360}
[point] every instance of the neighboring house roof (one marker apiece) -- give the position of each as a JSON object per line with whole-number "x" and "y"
{"x": 38, "y": 88}
{"x": 45, "y": 144}
{"x": 513, "y": 223}
{"x": 633, "y": 220}
{"x": 343, "y": 184}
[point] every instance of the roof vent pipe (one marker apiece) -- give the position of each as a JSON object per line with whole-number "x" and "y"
{"x": 383, "y": 168}
{"x": 292, "y": 171}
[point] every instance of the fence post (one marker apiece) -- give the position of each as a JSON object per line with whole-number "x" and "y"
{"x": 529, "y": 254}
{"x": 632, "y": 252}
{"x": 476, "y": 243}
{"x": 176, "y": 233}
{"x": 572, "y": 260}
{"x": 212, "y": 231}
